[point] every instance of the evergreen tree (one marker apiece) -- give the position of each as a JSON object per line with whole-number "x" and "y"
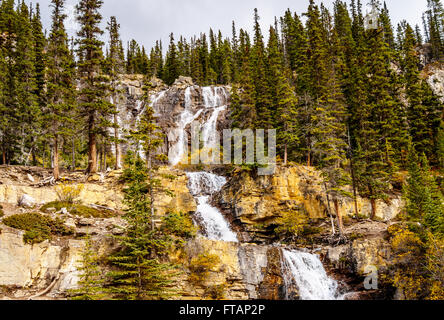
{"x": 61, "y": 83}
{"x": 28, "y": 112}
{"x": 141, "y": 275}
{"x": 424, "y": 110}
{"x": 116, "y": 65}
{"x": 94, "y": 106}
{"x": 258, "y": 67}
{"x": 424, "y": 200}
{"x": 171, "y": 68}
{"x": 91, "y": 281}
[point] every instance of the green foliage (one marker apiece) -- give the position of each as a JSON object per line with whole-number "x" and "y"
{"x": 291, "y": 223}
{"x": 179, "y": 224}
{"x": 424, "y": 200}
{"x": 38, "y": 227}
{"x": 140, "y": 273}
{"x": 92, "y": 278}
{"x": 78, "y": 209}
{"x": 201, "y": 266}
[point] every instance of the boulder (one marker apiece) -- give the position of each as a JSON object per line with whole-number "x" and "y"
{"x": 26, "y": 201}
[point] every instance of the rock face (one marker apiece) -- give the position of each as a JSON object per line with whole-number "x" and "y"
{"x": 176, "y": 107}
{"x": 260, "y": 200}
{"x": 247, "y": 271}
{"x": 37, "y": 266}
{"x": 434, "y": 74}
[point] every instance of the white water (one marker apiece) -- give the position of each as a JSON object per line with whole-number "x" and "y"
{"x": 202, "y": 186}
{"x": 306, "y": 271}
{"x": 213, "y": 98}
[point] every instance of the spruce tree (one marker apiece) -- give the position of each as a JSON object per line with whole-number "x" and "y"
{"x": 171, "y": 68}
{"x": 28, "y": 112}
{"x": 93, "y": 104}
{"x": 92, "y": 279}
{"x": 258, "y": 67}
{"x": 116, "y": 65}
{"x": 140, "y": 274}
{"x": 60, "y": 84}
{"x": 424, "y": 110}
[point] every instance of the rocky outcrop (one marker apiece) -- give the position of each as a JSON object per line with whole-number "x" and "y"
{"x": 37, "y": 266}
{"x": 169, "y": 103}
{"x": 256, "y": 201}
{"x": 434, "y": 75}
{"x": 246, "y": 271}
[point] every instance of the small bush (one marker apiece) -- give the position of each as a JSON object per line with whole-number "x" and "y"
{"x": 67, "y": 192}
{"x": 78, "y": 209}
{"x": 201, "y": 266}
{"x": 291, "y": 223}
{"x": 216, "y": 292}
{"x": 38, "y": 227}
{"x": 179, "y": 224}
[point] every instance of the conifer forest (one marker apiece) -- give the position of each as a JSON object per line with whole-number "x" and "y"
{"x": 100, "y": 198}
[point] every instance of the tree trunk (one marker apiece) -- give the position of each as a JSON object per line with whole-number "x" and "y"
{"x": 73, "y": 155}
{"x": 4, "y": 156}
{"x": 55, "y": 154}
{"x": 333, "y": 230}
{"x": 286, "y": 155}
{"x": 339, "y": 215}
{"x": 92, "y": 153}
{"x": 117, "y": 145}
{"x": 373, "y": 203}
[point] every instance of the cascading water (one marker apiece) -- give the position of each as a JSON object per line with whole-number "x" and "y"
{"x": 177, "y": 151}
{"x": 202, "y": 186}
{"x": 214, "y": 98}
{"x": 306, "y": 271}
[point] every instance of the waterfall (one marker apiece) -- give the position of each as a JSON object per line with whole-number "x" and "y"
{"x": 306, "y": 271}
{"x": 202, "y": 186}
{"x": 214, "y": 98}
{"x": 177, "y": 151}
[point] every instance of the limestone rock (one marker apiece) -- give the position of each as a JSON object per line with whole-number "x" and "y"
{"x": 260, "y": 200}
{"x": 26, "y": 201}
{"x": 183, "y": 82}
{"x": 30, "y": 178}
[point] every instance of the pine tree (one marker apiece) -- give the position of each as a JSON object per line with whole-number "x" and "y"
{"x": 61, "y": 83}
{"x": 93, "y": 104}
{"x": 91, "y": 283}
{"x": 171, "y": 68}
{"x": 258, "y": 67}
{"x": 9, "y": 25}
{"x": 140, "y": 273}
{"x": 116, "y": 65}
{"x": 424, "y": 200}
{"x": 28, "y": 112}
{"x": 424, "y": 110}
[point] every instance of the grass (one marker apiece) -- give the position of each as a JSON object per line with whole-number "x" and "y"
{"x": 78, "y": 209}
{"x": 38, "y": 227}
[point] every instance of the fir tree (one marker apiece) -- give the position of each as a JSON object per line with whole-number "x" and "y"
{"x": 94, "y": 106}
{"x": 60, "y": 84}
{"x": 116, "y": 65}
{"x": 171, "y": 68}
{"x": 92, "y": 280}
{"x": 28, "y": 112}
{"x": 141, "y": 275}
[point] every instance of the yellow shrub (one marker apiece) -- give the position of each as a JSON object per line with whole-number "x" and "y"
{"x": 201, "y": 266}
{"x": 67, "y": 192}
{"x": 292, "y": 222}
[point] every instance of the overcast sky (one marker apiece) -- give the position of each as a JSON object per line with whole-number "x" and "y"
{"x": 150, "y": 20}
